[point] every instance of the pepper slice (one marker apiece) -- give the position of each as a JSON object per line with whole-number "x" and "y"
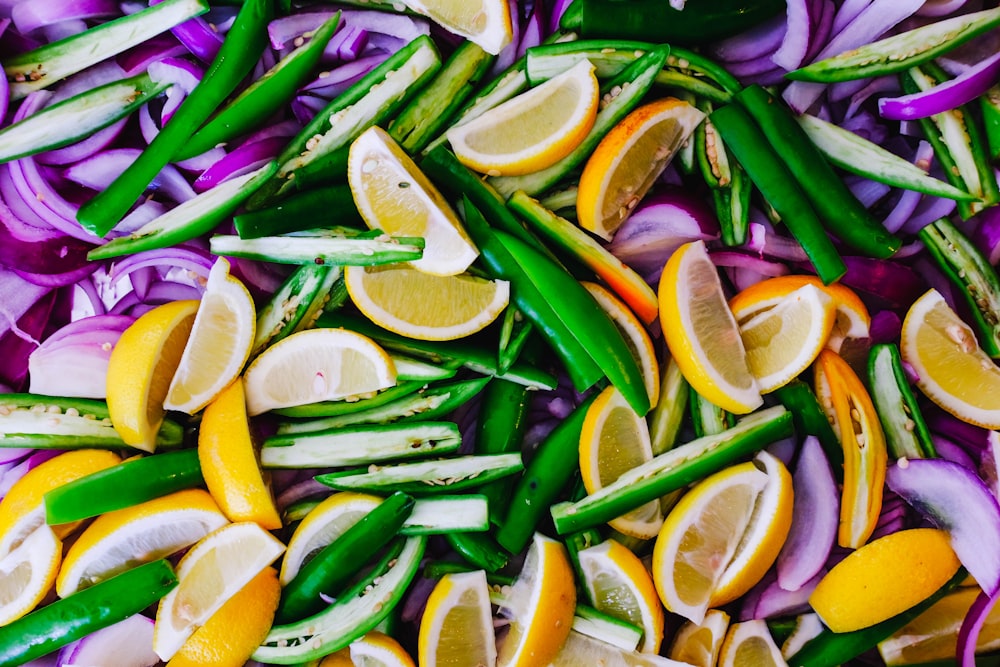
{"x": 852, "y": 415}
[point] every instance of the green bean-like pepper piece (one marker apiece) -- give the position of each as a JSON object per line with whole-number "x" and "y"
{"x": 775, "y": 181}
{"x": 799, "y": 399}
{"x": 265, "y": 96}
{"x": 725, "y": 177}
{"x": 906, "y": 432}
{"x": 500, "y": 429}
{"x": 64, "y": 621}
{"x": 841, "y": 212}
{"x": 302, "y": 211}
{"x": 124, "y": 485}
{"x": 707, "y": 418}
{"x": 332, "y": 568}
{"x": 989, "y": 104}
{"x": 547, "y": 474}
{"x": 240, "y": 51}
{"x": 479, "y": 549}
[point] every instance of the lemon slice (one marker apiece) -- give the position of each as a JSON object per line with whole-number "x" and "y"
{"x": 219, "y": 344}
{"x": 122, "y": 539}
{"x": 883, "y": 578}
{"x": 783, "y": 341}
{"x": 722, "y": 536}
{"x": 952, "y": 370}
{"x": 322, "y": 525}
{"x": 393, "y": 195}
{"x": 540, "y": 606}
{"x": 750, "y": 643}
{"x": 628, "y": 161}
{"x": 483, "y": 22}
{"x": 852, "y": 320}
{"x": 619, "y": 585}
{"x": 316, "y": 365}
{"x": 418, "y": 305}
{"x": 378, "y": 650}
{"x": 614, "y": 439}
{"x": 579, "y": 649}
{"x": 229, "y": 461}
{"x": 235, "y": 631}
{"x": 636, "y": 337}
{"x": 141, "y": 367}
{"x": 533, "y": 130}
{"x": 702, "y": 333}
{"x": 699, "y": 644}
{"x": 27, "y": 572}
{"x": 457, "y": 625}
{"x": 208, "y": 575}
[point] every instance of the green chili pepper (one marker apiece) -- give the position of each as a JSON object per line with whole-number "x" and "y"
{"x": 124, "y": 485}
{"x": 667, "y": 415}
{"x": 990, "y": 108}
{"x": 708, "y": 418}
{"x": 334, "y": 566}
{"x": 906, "y": 432}
{"x": 500, "y": 430}
{"x": 316, "y": 411}
{"x": 426, "y": 477}
{"x": 725, "y": 178}
{"x": 350, "y": 248}
{"x": 295, "y": 305}
{"x": 799, "y": 399}
{"x": 549, "y": 471}
{"x": 779, "y": 187}
{"x": 694, "y": 64}
{"x": 64, "y": 621}
{"x": 479, "y": 550}
{"x": 240, "y": 51}
{"x": 261, "y": 99}
{"x": 841, "y": 212}
{"x": 302, "y": 211}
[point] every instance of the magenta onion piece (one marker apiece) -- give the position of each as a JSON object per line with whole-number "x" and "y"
{"x": 331, "y": 83}
{"x": 946, "y": 96}
{"x": 896, "y": 284}
{"x": 742, "y": 260}
{"x": 769, "y": 600}
{"x": 975, "y": 438}
{"x": 533, "y": 32}
{"x": 75, "y": 362}
{"x": 986, "y": 236}
{"x": 766, "y": 243}
{"x": 137, "y": 59}
{"x": 248, "y": 157}
{"x": 940, "y": 7}
{"x": 198, "y": 36}
{"x": 188, "y": 259}
{"x": 18, "y": 297}
{"x": 758, "y": 42}
{"x": 300, "y": 491}
{"x": 38, "y": 251}
{"x": 815, "y": 516}
{"x": 58, "y": 279}
{"x": 346, "y": 44}
{"x": 885, "y": 327}
{"x": 847, "y": 12}
{"x": 972, "y": 625}
{"x": 950, "y": 450}
{"x": 800, "y": 16}
{"x": 955, "y": 499}
{"x": 559, "y": 8}
{"x": 81, "y": 150}
{"x": 99, "y": 171}
{"x": 20, "y": 341}
{"x": 30, "y": 16}
{"x": 928, "y": 210}
{"x": 128, "y": 643}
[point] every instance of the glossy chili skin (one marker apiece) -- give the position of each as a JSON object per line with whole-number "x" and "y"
{"x": 64, "y": 621}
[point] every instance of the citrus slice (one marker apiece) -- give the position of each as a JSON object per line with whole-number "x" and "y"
{"x": 419, "y": 305}
{"x": 27, "y": 495}
{"x": 540, "y": 606}
{"x": 533, "y": 130}
{"x": 230, "y": 461}
{"x": 457, "y": 626}
{"x": 580, "y": 649}
{"x": 393, "y": 195}
{"x": 208, "y": 575}
{"x": 119, "y": 540}
{"x": 702, "y": 333}
{"x": 614, "y": 439}
{"x": 783, "y": 341}
{"x": 852, "y": 320}
{"x": 140, "y": 368}
{"x": 629, "y": 159}
{"x": 883, "y": 578}
{"x": 635, "y": 335}
{"x": 619, "y": 585}
{"x": 321, "y": 526}
{"x": 235, "y": 631}
{"x": 951, "y": 368}
{"x": 27, "y": 572}
{"x": 722, "y": 536}
{"x": 316, "y": 365}
{"x": 219, "y": 344}
{"x": 379, "y": 650}
{"x": 750, "y": 643}
{"x": 483, "y": 22}
{"x": 699, "y": 644}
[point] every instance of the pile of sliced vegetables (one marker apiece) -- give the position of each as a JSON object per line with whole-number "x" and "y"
{"x": 853, "y": 140}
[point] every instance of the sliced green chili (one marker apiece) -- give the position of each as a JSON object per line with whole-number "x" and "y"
{"x": 500, "y": 430}
{"x": 479, "y": 550}
{"x": 799, "y": 399}
{"x": 906, "y": 432}
{"x": 300, "y": 212}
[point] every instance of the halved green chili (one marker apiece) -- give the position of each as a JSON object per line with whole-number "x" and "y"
{"x": 725, "y": 178}
{"x": 479, "y": 549}
{"x": 334, "y": 566}
{"x": 775, "y": 181}
{"x": 302, "y": 211}
{"x": 799, "y": 399}
{"x": 500, "y": 429}
{"x": 129, "y": 483}
{"x": 240, "y": 51}
{"x": 707, "y": 418}
{"x": 906, "y": 432}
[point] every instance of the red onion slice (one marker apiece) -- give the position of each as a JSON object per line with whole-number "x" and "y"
{"x": 964, "y": 88}
{"x": 243, "y": 160}
{"x": 972, "y": 625}
{"x": 128, "y": 643}
{"x": 30, "y": 16}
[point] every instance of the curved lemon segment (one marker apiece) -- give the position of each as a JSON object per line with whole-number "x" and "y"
{"x": 629, "y": 159}
{"x": 483, "y": 22}
{"x": 783, "y": 341}
{"x": 418, "y": 305}
{"x": 701, "y": 332}
{"x": 750, "y": 643}
{"x": 620, "y": 586}
{"x": 141, "y": 367}
{"x": 883, "y": 578}
{"x": 119, "y": 540}
{"x": 316, "y": 365}
{"x": 219, "y": 345}
{"x": 699, "y": 644}
{"x": 541, "y": 604}
{"x": 457, "y": 625}
{"x": 379, "y": 650}
{"x": 533, "y": 130}
{"x": 613, "y": 440}
{"x": 28, "y": 571}
{"x": 722, "y": 536}
{"x": 952, "y": 370}
{"x": 230, "y": 461}
{"x": 393, "y": 195}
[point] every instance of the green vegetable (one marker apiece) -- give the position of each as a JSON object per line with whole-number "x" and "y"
{"x": 356, "y": 249}
{"x": 906, "y": 432}
{"x": 426, "y": 477}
